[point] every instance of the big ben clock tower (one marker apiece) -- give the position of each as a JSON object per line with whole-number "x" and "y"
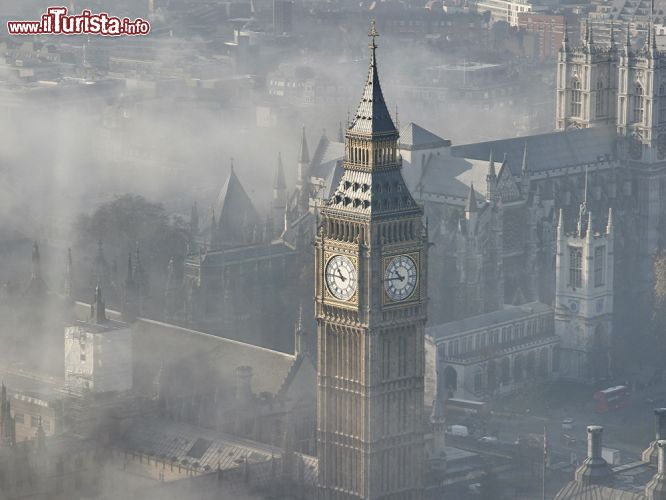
{"x": 371, "y": 312}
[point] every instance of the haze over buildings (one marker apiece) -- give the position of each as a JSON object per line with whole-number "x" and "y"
{"x": 226, "y": 276}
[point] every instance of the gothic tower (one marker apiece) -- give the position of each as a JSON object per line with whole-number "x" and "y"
{"x": 370, "y": 294}
{"x": 584, "y": 297}
{"x": 586, "y": 83}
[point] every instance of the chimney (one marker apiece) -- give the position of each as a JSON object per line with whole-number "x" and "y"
{"x": 650, "y": 454}
{"x": 656, "y": 488}
{"x": 243, "y": 384}
{"x": 594, "y": 470}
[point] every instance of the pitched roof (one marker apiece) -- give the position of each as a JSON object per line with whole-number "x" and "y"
{"x": 372, "y": 115}
{"x": 187, "y": 444}
{"x": 234, "y": 209}
{"x": 495, "y": 318}
{"x": 158, "y": 342}
{"x": 552, "y": 150}
{"x": 413, "y": 137}
{"x": 279, "y": 181}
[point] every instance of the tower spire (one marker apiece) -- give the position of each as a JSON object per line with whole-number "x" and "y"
{"x": 372, "y": 116}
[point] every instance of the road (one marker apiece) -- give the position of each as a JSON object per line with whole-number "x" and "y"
{"x": 629, "y": 429}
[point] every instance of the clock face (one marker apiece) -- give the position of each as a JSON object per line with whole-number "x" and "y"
{"x": 400, "y": 277}
{"x": 341, "y": 277}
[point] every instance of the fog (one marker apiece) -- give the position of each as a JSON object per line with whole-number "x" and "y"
{"x": 177, "y": 355}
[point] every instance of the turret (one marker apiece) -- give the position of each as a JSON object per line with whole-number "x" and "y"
{"x": 491, "y": 179}
{"x": 524, "y": 173}
{"x": 303, "y": 162}
{"x": 301, "y": 344}
{"x": 194, "y": 220}
{"x": 130, "y": 305}
{"x": 97, "y": 308}
{"x": 279, "y": 203}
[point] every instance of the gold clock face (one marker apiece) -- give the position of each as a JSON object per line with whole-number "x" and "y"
{"x": 341, "y": 278}
{"x": 400, "y": 277}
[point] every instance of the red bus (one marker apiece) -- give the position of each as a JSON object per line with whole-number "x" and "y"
{"x": 612, "y": 398}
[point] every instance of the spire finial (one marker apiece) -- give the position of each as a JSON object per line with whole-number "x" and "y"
{"x": 524, "y": 169}
{"x": 231, "y": 162}
{"x": 373, "y": 34}
{"x": 609, "y": 225}
{"x": 586, "y": 183}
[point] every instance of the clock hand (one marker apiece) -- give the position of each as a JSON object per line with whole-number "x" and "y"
{"x": 341, "y": 276}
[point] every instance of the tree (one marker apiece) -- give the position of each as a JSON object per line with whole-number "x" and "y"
{"x": 130, "y": 220}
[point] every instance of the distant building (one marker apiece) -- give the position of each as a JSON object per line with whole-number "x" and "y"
{"x": 495, "y": 353}
{"x": 98, "y": 353}
{"x": 549, "y": 29}
{"x": 504, "y": 10}
{"x": 584, "y": 297}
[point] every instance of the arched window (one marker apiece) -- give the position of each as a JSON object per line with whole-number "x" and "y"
{"x": 639, "y": 104}
{"x": 575, "y": 267}
{"x": 576, "y": 98}
{"x": 601, "y": 101}
{"x": 662, "y": 103}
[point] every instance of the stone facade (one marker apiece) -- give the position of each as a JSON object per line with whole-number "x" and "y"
{"x": 371, "y": 310}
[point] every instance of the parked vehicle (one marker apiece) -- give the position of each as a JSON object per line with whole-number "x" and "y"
{"x": 459, "y": 430}
{"x": 567, "y": 424}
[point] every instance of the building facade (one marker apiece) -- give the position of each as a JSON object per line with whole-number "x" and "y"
{"x": 495, "y": 353}
{"x": 584, "y": 297}
{"x": 371, "y": 311}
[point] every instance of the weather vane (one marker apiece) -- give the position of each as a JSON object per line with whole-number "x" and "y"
{"x": 373, "y": 33}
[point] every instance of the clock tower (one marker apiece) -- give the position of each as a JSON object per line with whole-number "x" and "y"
{"x": 371, "y": 251}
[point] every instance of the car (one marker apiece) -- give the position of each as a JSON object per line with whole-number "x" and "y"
{"x": 567, "y": 423}
{"x": 488, "y": 439}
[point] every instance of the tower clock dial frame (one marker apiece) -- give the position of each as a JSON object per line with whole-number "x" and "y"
{"x": 341, "y": 277}
{"x": 401, "y": 278}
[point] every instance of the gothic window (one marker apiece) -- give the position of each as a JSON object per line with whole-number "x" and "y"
{"x": 639, "y": 104}
{"x": 576, "y": 98}
{"x": 662, "y": 103}
{"x": 575, "y": 267}
{"x": 601, "y": 108}
{"x": 599, "y": 266}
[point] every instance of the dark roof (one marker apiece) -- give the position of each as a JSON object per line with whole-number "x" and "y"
{"x": 413, "y": 136}
{"x": 486, "y": 320}
{"x": 234, "y": 209}
{"x": 547, "y": 151}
